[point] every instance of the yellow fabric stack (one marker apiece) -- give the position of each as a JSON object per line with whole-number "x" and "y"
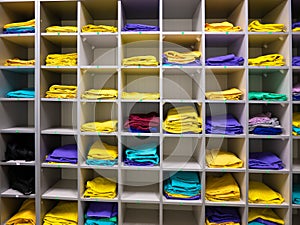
{"x": 140, "y": 95}
{"x": 182, "y": 57}
{"x": 99, "y": 28}
{"x": 222, "y": 188}
{"x": 105, "y": 126}
{"x": 61, "y": 91}
{"x": 147, "y": 60}
{"x": 297, "y": 29}
{"x": 64, "y": 212}
{"x": 256, "y": 26}
{"x": 296, "y": 123}
{"x": 19, "y": 62}
{"x": 261, "y": 193}
{"x": 222, "y": 26}
{"x": 103, "y": 151}
{"x": 267, "y": 60}
{"x": 29, "y": 23}
{"x": 230, "y": 94}
{"x": 100, "y": 187}
{"x": 61, "y": 29}
{"x": 216, "y": 158}
{"x": 105, "y": 93}
{"x": 69, "y": 59}
{"x": 25, "y": 215}
{"x": 265, "y": 214}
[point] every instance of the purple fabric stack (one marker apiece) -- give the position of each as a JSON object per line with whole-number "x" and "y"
{"x": 223, "y": 124}
{"x": 221, "y": 214}
{"x": 296, "y": 61}
{"x": 102, "y": 213}
{"x": 295, "y": 25}
{"x": 226, "y": 60}
{"x": 64, "y": 154}
{"x": 265, "y": 160}
{"x": 139, "y": 27}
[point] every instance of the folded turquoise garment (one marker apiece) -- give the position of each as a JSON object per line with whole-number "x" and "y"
{"x": 23, "y": 93}
{"x": 143, "y": 153}
{"x": 296, "y": 194}
{"x": 296, "y": 129}
{"x": 255, "y": 223}
{"x": 16, "y": 30}
{"x": 253, "y": 95}
{"x": 100, "y": 162}
{"x": 92, "y": 221}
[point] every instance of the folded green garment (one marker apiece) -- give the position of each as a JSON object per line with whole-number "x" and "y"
{"x": 253, "y": 95}
{"x": 23, "y": 93}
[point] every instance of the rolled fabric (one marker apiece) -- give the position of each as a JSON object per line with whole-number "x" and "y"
{"x": 256, "y": 26}
{"x": 139, "y": 27}
{"x": 98, "y": 28}
{"x": 61, "y": 29}
{"x": 225, "y": 60}
{"x": 222, "y": 27}
{"x": 267, "y": 60}
{"x": 25, "y": 215}
{"x": 147, "y": 60}
{"x": 19, "y": 62}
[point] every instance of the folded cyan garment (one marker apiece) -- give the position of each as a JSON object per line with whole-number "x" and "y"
{"x": 102, "y": 209}
{"x": 146, "y": 153}
{"x": 256, "y": 26}
{"x": 223, "y": 124}
{"x": 267, "y": 60}
{"x": 254, "y": 95}
{"x": 264, "y": 213}
{"x": 25, "y": 215}
{"x": 226, "y": 60}
{"x": 296, "y": 61}
{"x": 221, "y": 214}
{"x": 99, "y": 28}
{"x": 230, "y": 94}
{"x": 261, "y": 193}
{"x": 61, "y": 29}
{"x": 182, "y": 58}
{"x": 22, "y": 93}
{"x": 222, "y": 26}
{"x": 296, "y": 131}
{"x": 143, "y": 60}
{"x": 64, "y": 154}
{"x": 216, "y": 158}
{"x": 19, "y": 30}
{"x": 100, "y": 162}
{"x": 296, "y": 194}
{"x": 265, "y": 160}
{"x": 139, "y": 27}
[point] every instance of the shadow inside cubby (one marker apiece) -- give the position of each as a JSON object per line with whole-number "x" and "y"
{"x": 180, "y": 214}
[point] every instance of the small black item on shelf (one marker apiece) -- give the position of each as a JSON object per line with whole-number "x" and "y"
{"x": 16, "y": 151}
{"x": 21, "y": 178}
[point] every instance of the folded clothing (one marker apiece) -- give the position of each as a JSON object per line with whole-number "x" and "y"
{"x": 144, "y": 123}
{"x": 296, "y": 26}
{"x": 296, "y": 61}
{"x": 65, "y": 212}
{"x": 105, "y": 126}
{"x": 144, "y": 60}
{"x": 183, "y": 119}
{"x": 25, "y": 215}
{"x": 267, "y": 60}
{"x": 99, "y": 28}
{"x": 21, "y": 178}
{"x": 230, "y": 94}
{"x": 223, "y": 124}
{"x": 100, "y": 187}
{"x": 69, "y": 59}
{"x": 61, "y": 29}
{"x": 265, "y": 160}
{"x": 19, "y": 27}
{"x": 296, "y": 194}
{"x": 182, "y": 58}
{"x": 216, "y": 158}
{"x": 63, "y": 154}
{"x": 296, "y": 123}
{"x": 264, "y": 124}
{"x": 256, "y": 26}
{"x": 254, "y": 95}
{"x": 101, "y": 153}
{"x": 139, "y": 27}
{"x": 19, "y": 62}
{"x": 222, "y": 215}
{"x": 105, "y": 93}
{"x": 22, "y": 93}
{"x": 140, "y": 95}
{"x": 16, "y": 151}
{"x": 264, "y": 215}
{"x": 61, "y": 91}
{"x": 261, "y": 193}
{"x": 102, "y": 213}
{"x": 225, "y": 60}
{"x": 142, "y": 155}
{"x": 222, "y": 188}
{"x": 183, "y": 185}
{"x": 222, "y": 26}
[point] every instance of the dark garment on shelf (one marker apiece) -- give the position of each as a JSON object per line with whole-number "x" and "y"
{"x": 220, "y": 214}
{"x": 21, "y": 178}
{"x": 265, "y": 160}
{"x": 295, "y": 25}
{"x": 226, "y": 60}
{"x": 129, "y": 162}
{"x": 267, "y": 131}
{"x": 296, "y": 61}
{"x": 102, "y": 209}
{"x": 139, "y": 27}
{"x": 223, "y": 124}
{"x": 16, "y": 151}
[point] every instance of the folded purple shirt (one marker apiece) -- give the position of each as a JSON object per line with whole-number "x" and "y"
{"x": 102, "y": 209}
{"x": 64, "y": 154}
{"x": 129, "y": 162}
{"x": 265, "y": 160}
{"x": 296, "y": 24}
{"x": 226, "y": 60}
{"x": 296, "y": 87}
{"x": 139, "y": 27}
{"x": 221, "y": 214}
{"x": 296, "y": 61}
{"x": 223, "y": 124}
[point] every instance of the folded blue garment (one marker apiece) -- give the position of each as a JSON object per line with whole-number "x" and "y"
{"x": 296, "y": 61}
{"x": 23, "y": 93}
{"x": 221, "y": 214}
{"x": 226, "y": 60}
{"x": 100, "y": 162}
{"x": 18, "y": 30}
{"x": 128, "y": 162}
{"x": 296, "y": 96}
{"x": 64, "y": 154}
{"x": 295, "y": 25}
{"x": 265, "y": 160}
{"x": 139, "y": 27}
{"x": 267, "y": 131}
{"x": 102, "y": 209}
{"x": 296, "y": 194}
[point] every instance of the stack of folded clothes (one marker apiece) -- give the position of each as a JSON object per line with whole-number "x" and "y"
{"x": 140, "y": 95}
{"x": 64, "y": 212}
{"x": 296, "y": 26}
{"x": 139, "y": 27}
{"x": 182, "y": 119}
{"x": 264, "y": 123}
{"x": 25, "y": 215}
{"x": 296, "y": 194}
{"x": 102, "y": 213}
{"x": 182, "y": 58}
{"x": 19, "y": 62}
{"x": 144, "y": 60}
{"x": 22, "y": 93}
{"x": 296, "y": 92}
{"x": 20, "y": 27}
{"x": 61, "y": 29}
{"x": 223, "y": 124}
{"x": 22, "y": 179}
{"x": 105, "y": 126}
{"x": 263, "y": 194}
{"x": 296, "y": 61}
{"x": 69, "y": 59}
{"x": 183, "y": 185}
{"x": 296, "y": 123}
{"x": 63, "y": 154}
{"x": 254, "y": 95}
{"x": 256, "y": 26}
{"x": 104, "y": 93}
{"x": 100, "y": 187}
{"x": 98, "y": 28}
{"x": 101, "y": 153}
{"x": 222, "y": 215}
{"x": 258, "y": 216}
{"x": 265, "y": 160}
{"x": 222, "y": 188}
{"x": 216, "y": 158}
{"x": 142, "y": 155}
{"x": 143, "y": 123}
{"x": 225, "y": 60}
{"x": 222, "y": 27}
{"x": 61, "y": 91}
{"x": 16, "y": 151}
{"x": 267, "y": 60}
{"x": 230, "y": 94}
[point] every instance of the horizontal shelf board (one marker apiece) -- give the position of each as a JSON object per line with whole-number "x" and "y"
{"x": 181, "y": 101}
{"x": 179, "y": 217}
{"x": 296, "y": 137}
{"x": 140, "y": 134}
{"x": 296, "y": 102}
{"x": 101, "y": 41}
{"x": 86, "y": 166}
{"x": 226, "y": 203}
{"x": 296, "y": 206}
{"x": 17, "y": 99}
{"x": 60, "y": 130}
{"x": 28, "y": 130}
{"x": 183, "y": 34}
{"x": 268, "y": 102}
{"x": 224, "y": 69}
{"x": 227, "y": 170}
{"x": 19, "y": 69}
{"x": 139, "y": 100}
{"x": 97, "y": 101}
{"x": 183, "y": 135}
{"x": 59, "y": 165}
{"x": 181, "y": 202}
{"x": 140, "y": 216}
{"x": 63, "y": 189}
{"x": 225, "y": 136}
{"x": 226, "y": 101}
{"x": 17, "y": 163}
{"x": 268, "y": 171}
{"x": 269, "y": 69}
{"x": 223, "y": 33}
{"x": 15, "y": 194}
{"x": 25, "y": 40}
{"x": 180, "y": 67}
{"x": 283, "y": 205}
{"x": 139, "y": 168}
{"x": 296, "y": 68}
{"x": 58, "y": 99}
{"x": 181, "y": 162}
{"x": 61, "y": 69}
{"x": 98, "y": 133}
{"x": 268, "y": 136}
{"x": 296, "y": 167}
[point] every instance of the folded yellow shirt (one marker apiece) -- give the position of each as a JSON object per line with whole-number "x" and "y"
{"x": 230, "y": 94}
{"x": 29, "y": 23}
{"x": 267, "y": 60}
{"x": 100, "y": 187}
{"x": 64, "y": 212}
{"x": 256, "y": 26}
{"x": 216, "y": 158}
{"x": 104, "y": 93}
{"x": 222, "y": 26}
{"x": 182, "y": 57}
{"x": 263, "y": 213}
{"x": 69, "y": 59}
{"x": 224, "y": 223}
{"x": 105, "y": 126}
{"x": 99, "y": 28}
{"x": 147, "y": 60}
{"x": 19, "y": 62}
{"x": 296, "y": 119}
{"x": 296, "y": 29}
{"x": 61, "y": 91}
{"x": 25, "y": 215}
{"x": 261, "y": 193}
{"x": 101, "y": 150}
{"x": 140, "y": 95}
{"x": 222, "y": 188}
{"x": 62, "y": 29}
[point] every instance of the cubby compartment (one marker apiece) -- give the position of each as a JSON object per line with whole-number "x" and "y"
{"x": 295, "y": 216}
{"x": 140, "y": 213}
{"x": 183, "y": 153}
{"x": 295, "y": 82}
{"x": 295, "y": 190}
{"x": 182, "y": 16}
{"x": 242, "y": 212}
{"x": 182, "y": 85}
{"x": 180, "y": 214}
{"x": 296, "y": 155}
{"x": 295, "y": 11}
{"x": 282, "y": 213}
{"x": 295, "y": 47}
